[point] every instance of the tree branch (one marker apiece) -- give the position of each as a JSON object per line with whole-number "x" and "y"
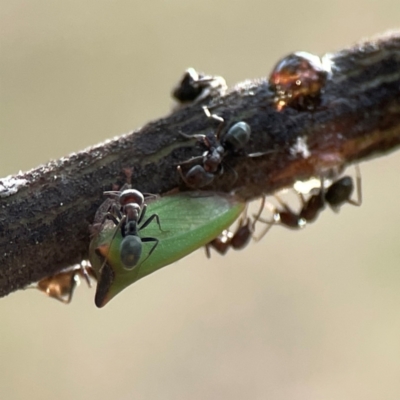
{"x": 45, "y": 213}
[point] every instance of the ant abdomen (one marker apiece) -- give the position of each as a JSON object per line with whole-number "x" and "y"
{"x": 289, "y": 219}
{"x": 130, "y": 251}
{"x": 197, "y": 176}
{"x": 339, "y": 192}
{"x": 242, "y": 236}
{"x": 238, "y": 135}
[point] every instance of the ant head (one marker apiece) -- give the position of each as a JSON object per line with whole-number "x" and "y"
{"x": 131, "y": 196}
{"x": 238, "y": 135}
{"x": 130, "y": 251}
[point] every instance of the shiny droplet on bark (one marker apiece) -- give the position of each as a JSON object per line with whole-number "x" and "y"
{"x": 298, "y": 80}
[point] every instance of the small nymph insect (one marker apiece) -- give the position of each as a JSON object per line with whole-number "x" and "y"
{"x": 61, "y": 286}
{"x": 218, "y": 146}
{"x": 128, "y": 214}
{"x": 195, "y": 87}
{"x": 337, "y": 194}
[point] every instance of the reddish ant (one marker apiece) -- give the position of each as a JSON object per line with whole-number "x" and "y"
{"x": 335, "y": 195}
{"x": 227, "y": 239}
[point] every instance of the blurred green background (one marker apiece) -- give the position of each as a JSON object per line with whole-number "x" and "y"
{"x": 300, "y": 315}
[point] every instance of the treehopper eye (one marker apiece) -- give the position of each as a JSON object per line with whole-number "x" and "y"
{"x": 189, "y": 221}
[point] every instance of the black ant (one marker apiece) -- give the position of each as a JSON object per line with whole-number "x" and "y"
{"x": 338, "y": 193}
{"x": 237, "y": 240}
{"x": 61, "y": 286}
{"x": 195, "y": 87}
{"x": 233, "y": 141}
{"x": 128, "y": 216}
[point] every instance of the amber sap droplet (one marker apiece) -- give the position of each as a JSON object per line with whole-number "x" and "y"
{"x": 297, "y": 80}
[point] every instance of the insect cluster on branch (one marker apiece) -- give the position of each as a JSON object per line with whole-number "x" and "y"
{"x": 135, "y": 234}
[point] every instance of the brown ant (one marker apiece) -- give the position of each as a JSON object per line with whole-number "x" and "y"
{"x": 61, "y": 286}
{"x": 227, "y": 239}
{"x": 335, "y": 195}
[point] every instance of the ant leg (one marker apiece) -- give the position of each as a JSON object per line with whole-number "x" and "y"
{"x": 112, "y": 193}
{"x": 215, "y": 117}
{"x": 258, "y": 215}
{"x": 111, "y": 217}
{"x": 260, "y": 153}
{"x": 322, "y": 191}
{"x": 265, "y": 231}
{"x": 150, "y": 195}
{"x": 191, "y": 160}
{"x": 147, "y": 222}
{"x": 82, "y": 271}
{"x": 207, "y": 249}
{"x": 191, "y": 137}
{"x": 114, "y": 215}
{"x": 179, "y": 169}
{"x": 358, "y": 201}
{"x": 86, "y": 272}
{"x": 142, "y": 214}
{"x": 282, "y": 204}
{"x": 207, "y": 143}
{"x": 150, "y": 239}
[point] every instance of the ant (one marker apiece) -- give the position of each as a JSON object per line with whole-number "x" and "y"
{"x": 128, "y": 214}
{"x": 237, "y": 240}
{"x": 61, "y": 286}
{"x": 233, "y": 141}
{"x": 195, "y": 87}
{"x": 335, "y": 195}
